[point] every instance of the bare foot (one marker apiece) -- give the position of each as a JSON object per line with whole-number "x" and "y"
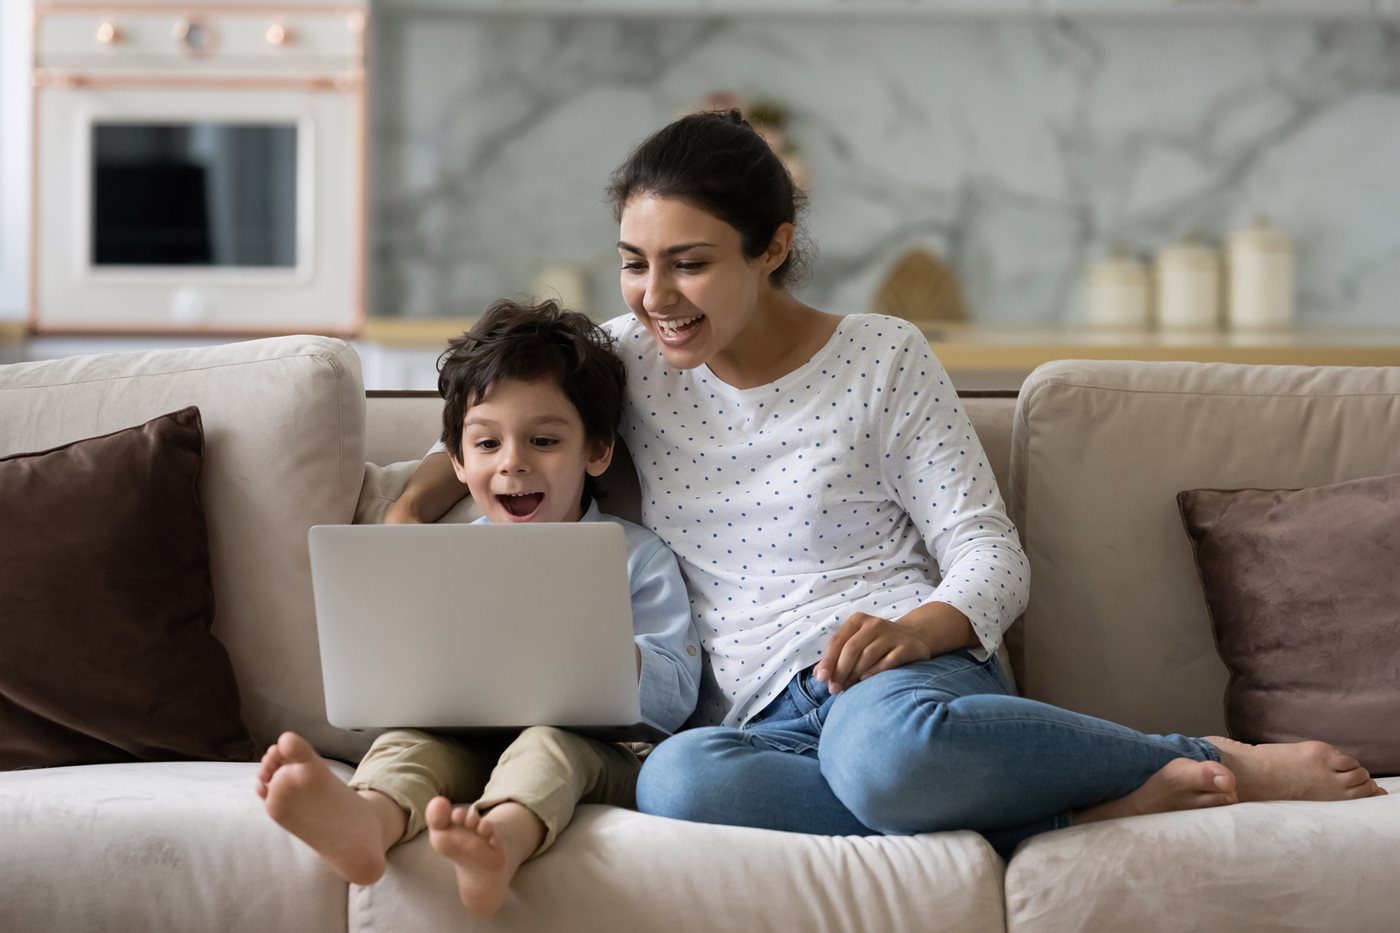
{"x": 1181, "y": 784}
{"x": 311, "y": 803}
{"x": 486, "y": 851}
{"x": 1295, "y": 771}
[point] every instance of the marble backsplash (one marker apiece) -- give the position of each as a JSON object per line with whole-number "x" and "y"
{"x": 1017, "y": 148}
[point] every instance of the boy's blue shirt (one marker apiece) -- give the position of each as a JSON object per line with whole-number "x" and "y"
{"x": 670, "y": 649}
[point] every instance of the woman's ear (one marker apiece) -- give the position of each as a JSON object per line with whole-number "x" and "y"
{"x": 599, "y": 457}
{"x": 778, "y": 248}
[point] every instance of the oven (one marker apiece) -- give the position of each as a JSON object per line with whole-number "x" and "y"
{"x": 198, "y": 168}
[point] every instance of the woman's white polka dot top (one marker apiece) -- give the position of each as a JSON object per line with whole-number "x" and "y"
{"x": 796, "y": 503}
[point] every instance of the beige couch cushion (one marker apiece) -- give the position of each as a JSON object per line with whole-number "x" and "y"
{"x": 166, "y": 848}
{"x": 1117, "y": 624}
{"x": 1249, "y": 868}
{"x": 616, "y": 871}
{"x": 283, "y": 450}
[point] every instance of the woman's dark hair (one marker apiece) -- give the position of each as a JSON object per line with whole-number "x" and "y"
{"x": 719, "y": 163}
{"x": 529, "y": 342}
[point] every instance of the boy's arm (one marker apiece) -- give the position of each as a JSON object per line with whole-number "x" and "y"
{"x": 668, "y": 649}
{"x": 431, "y": 491}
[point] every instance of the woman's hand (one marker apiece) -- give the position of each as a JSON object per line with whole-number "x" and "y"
{"x": 866, "y": 645}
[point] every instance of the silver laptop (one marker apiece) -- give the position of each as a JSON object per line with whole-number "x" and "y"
{"x": 477, "y": 627}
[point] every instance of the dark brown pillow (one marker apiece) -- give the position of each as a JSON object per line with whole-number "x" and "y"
{"x": 106, "y": 604}
{"x": 1303, "y": 587}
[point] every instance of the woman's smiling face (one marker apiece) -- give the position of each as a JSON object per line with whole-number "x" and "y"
{"x": 684, "y": 276}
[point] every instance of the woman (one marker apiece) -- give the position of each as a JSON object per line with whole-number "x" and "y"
{"x": 809, "y": 470}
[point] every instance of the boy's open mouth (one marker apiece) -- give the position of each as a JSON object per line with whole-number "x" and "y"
{"x": 522, "y": 506}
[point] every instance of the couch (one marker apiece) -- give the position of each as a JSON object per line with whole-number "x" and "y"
{"x": 1090, "y": 456}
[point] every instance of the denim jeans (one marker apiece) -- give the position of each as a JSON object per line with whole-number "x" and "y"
{"x": 936, "y": 745}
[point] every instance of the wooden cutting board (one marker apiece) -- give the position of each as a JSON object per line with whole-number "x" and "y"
{"x": 921, "y": 287}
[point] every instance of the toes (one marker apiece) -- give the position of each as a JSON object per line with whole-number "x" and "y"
{"x": 438, "y": 813}
{"x": 294, "y": 748}
{"x": 1218, "y": 776}
{"x": 466, "y": 817}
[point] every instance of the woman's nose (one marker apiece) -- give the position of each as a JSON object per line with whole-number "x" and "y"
{"x": 659, "y": 293}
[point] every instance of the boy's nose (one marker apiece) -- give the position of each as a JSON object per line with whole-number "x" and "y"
{"x": 514, "y": 461}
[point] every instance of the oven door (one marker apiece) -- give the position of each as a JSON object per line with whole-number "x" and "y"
{"x": 216, "y": 209}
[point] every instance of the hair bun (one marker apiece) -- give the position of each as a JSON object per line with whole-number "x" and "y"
{"x": 735, "y": 116}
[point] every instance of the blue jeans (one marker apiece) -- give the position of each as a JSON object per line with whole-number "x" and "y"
{"x": 936, "y": 745}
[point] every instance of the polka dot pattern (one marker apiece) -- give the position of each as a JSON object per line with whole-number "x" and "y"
{"x": 841, "y": 487}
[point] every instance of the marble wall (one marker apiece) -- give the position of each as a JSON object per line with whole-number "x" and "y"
{"x": 1018, "y": 148}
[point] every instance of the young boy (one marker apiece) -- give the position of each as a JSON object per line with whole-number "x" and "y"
{"x": 532, "y": 400}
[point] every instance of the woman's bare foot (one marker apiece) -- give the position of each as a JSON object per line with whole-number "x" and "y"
{"x": 1295, "y": 771}
{"x": 347, "y": 828}
{"x": 485, "y": 850}
{"x": 1181, "y": 784}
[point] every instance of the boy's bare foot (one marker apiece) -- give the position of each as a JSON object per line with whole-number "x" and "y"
{"x": 1295, "y": 771}
{"x": 1181, "y": 784}
{"x": 311, "y": 803}
{"x": 486, "y": 851}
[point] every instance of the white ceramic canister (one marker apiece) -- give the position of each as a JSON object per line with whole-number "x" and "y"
{"x": 1261, "y": 278}
{"x": 1188, "y": 287}
{"x": 1116, "y": 293}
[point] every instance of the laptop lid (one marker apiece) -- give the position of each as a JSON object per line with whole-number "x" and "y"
{"x": 468, "y": 626}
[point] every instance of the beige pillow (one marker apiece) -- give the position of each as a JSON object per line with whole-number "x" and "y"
{"x": 384, "y": 484}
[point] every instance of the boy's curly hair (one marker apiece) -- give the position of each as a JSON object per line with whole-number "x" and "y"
{"x": 529, "y": 342}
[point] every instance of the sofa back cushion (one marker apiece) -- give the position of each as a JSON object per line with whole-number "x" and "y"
{"x": 1117, "y": 624}
{"x": 283, "y": 450}
{"x": 401, "y": 426}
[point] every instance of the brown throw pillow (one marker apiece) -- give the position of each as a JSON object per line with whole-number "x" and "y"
{"x": 105, "y": 648}
{"x": 1303, "y": 587}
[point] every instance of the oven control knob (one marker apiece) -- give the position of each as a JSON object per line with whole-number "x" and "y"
{"x": 277, "y": 34}
{"x": 196, "y": 36}
{"x": 109, "y": 33}
{"x": 190, "y": 306}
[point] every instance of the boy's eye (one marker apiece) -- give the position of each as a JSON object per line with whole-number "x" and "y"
{"x": 546, "y": 441}
{"x": 487, "y": 444}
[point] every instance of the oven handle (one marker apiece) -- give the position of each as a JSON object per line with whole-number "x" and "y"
{"x": 344, "y": 81}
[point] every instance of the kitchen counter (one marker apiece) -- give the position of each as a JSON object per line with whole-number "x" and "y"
{"x": 969, "y": 347}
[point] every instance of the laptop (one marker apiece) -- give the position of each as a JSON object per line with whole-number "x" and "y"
{"x": 469, "y": 628}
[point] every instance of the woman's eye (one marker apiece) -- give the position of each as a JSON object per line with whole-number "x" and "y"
{"x": 633, "y": 266}
{"x": 690, "y": 266}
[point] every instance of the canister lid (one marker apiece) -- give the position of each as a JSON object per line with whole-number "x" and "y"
{"x": 1190, "y": 252}
{"x": 1118, "y": 267}
{"x": 1261, "y": 236}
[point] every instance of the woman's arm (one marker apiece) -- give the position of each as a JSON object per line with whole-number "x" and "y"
{"x": 431, "y": 491}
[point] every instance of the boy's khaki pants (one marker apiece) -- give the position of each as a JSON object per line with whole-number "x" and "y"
{"x": 546, "y": 770}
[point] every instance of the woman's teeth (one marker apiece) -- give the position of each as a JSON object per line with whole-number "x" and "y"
{"x": 674, "y": 326}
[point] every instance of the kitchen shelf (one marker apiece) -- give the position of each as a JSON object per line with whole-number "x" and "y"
{"x": 1332, "y": 9}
